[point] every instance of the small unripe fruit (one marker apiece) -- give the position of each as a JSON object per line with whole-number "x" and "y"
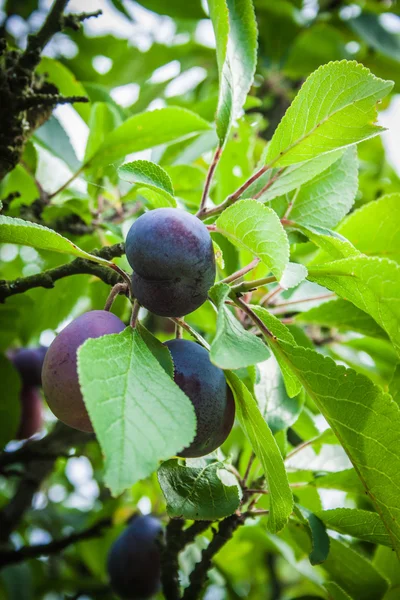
{"x": 172, "y": 256}
{"x": 134, "y": 560}
{"x": 31, "y": 412}
{"x": 205, "y": 385}
{"x": 60, "y": 377}
{"x": 29, "y": 363}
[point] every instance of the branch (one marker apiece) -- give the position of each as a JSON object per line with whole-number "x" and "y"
{"x": 37, "y": 41}
{"x": 198, "y": 576}
{"x": 176, "y": 540}
{"x": 78, "y": 266}
{"x": 44, "y": 454}
{"x": 8, "y": 557}
{"x": 54, "y": 23}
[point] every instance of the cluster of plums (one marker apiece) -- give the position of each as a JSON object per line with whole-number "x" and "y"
{"x": 28, "y": 362}
{"x": 172, "y": 256}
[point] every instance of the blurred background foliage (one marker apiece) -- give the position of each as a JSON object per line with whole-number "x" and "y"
{"x": 140, "y": 56}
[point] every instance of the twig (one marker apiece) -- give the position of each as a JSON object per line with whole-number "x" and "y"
{"x": 216, "y": 210}
{"x": 67, "y": 183}
{"x": 241, "y": 272}
{"x": 269, "y": 295}
{"x": 198, "y": 576}
{"x": 209, "y": 177}
{"x": 37, "y": 41}
{"x": 248, "y": 286}
{"x": 290, "y": 205}
{"x": 269, "y": 184}
{"x": 250, "y": 313}
{"x": 248, "y": 468}
{"x": 78, "y": 266}
{"x": 290, "y": 302}
{"x": 8, "y": 557}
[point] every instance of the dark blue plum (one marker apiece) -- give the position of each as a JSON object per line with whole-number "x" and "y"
{"x": 172, "y": 256}
{"x": 134, "y": 564}
{"x": 205, "y": 385}
{"x": 29, "y": 363}
{"x": 60, "y": 376}
{"x": 31, "y": 412}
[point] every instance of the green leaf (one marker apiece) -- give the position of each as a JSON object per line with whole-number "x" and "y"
{"x": 374, "y": 228}
{"x": 65, "y": 81}
{"x": 333, "y": 244}
{"x": 158, "y": 349}
{"x": 277, "y": 407}
{"x": 292, "y": 177}
{"x": 10, "y": 405}
{"x": 257, "y": 228}
{"x": 178, "y": 9}
{"x": 344, "y": 316}
{"x": 235, "y": 31}
{"x": 335, "y": 108}
{"x": 26, "y": 233}
{"x": 372, "y": 284}
{"x": 370, "y": 29}
{"x": 336, "y": 592}
{"x": 317, "y": 531}
{"x": 394, "y": 387}
{"x": 202, "y": 489}
{"x": 365, "y": 420}
{"x": 53, "y": 136}
{"x": 346, "y": 481}
{"x": 19, "y": 180}
{"x": 151, "y": 176}
{"x": 104, "y": 118}
{"x": 363, "y": 524}
{"x": 147, "y": 130}
{"x": 233, "y": 347}
{"x": 267, "y": 451}
{"x": 354, "y": 573}
{"x": 292, "y": 384}
{"x": 139, "y": 414}
{"x": 293, "y": 274}
{"x": 327, "y": 198}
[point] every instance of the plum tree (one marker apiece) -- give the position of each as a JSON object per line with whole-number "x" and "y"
{"x": 29, "y": 363}
{"x": 60, "y": 376}
{"x": 172, "y": 256}
{"x": 134, "y": 559}
{"x": 31, "y": 412}
{"x": 205, "y": 385}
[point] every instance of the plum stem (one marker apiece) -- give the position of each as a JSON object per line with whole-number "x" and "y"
{"x": 135, "y": 313}
{"x": 119, "y": 288}
{"x": 178, "y": 331}
{"x": 192, "y": 332}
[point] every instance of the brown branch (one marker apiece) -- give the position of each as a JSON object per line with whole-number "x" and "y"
{"x": 198, "y": 576}
{"x": 8, "y": 557}
{"x": 44, "y": 454}
{"x": 176, "y": 540}
{"x": 78, "y": 266}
